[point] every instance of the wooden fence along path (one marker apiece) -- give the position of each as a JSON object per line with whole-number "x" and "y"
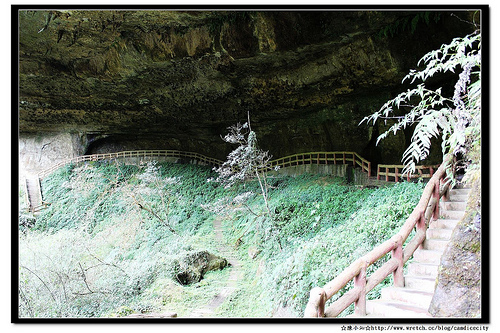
{"x": 323, "y": 158}
{"x": 395, "y": 172}
{"x": 427, "y": 208}
{"x": 133, "y": 154}
{"x": 387, "y": 172}
{"x": 320, "y": 158}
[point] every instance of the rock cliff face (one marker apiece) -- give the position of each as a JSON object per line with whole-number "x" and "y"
{"x": 177, "y": 79}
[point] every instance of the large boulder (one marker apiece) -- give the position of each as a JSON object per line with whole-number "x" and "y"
{"x": 193, "y": 266}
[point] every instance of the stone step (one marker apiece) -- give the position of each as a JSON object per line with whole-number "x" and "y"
{"x": 454, "y": 205}
{"x": 33, "y": 192}
{"x": 443, "y": 234}
{"x": 443, "y": 224}
{"x": 435, "y": 244}
{"x": 452, "y": 214}
{"x": 409, "y": 296}
{"x": 394, "y": 309}
{"x": 459, "y": 191}
{"x": 458, "y": 198}
{"x": 421, "y": 269}
{"x": 459, "y": 195}
{"x": 427, "y": 256}
{"x": 422, "y": 283}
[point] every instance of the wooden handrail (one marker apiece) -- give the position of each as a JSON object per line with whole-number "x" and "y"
{"x": 131, "y": 154}
{"x": 384, "y": 170}
{"x": 339, "y": 157}
{"x": 298, "y": 159}
{"x": 427, "y": 208}
{"x": 323, "y": 158}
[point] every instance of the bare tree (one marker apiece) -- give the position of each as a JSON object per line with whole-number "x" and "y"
{"x": 247, "y": 161}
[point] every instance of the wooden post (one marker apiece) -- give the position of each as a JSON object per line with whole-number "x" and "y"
{"x": 360, "y": 282}
{"x": 386, "y": 174}
{"x": 396, "y": 174}
{"x": 369, "y": 169}
{"x": 343, "y": 157}
{"x": 316, "y": 306}
{"x": 398, "y": 274}
{"x": 378, "y": 172}
{"x": 435, "y": 195}
{"x": 421, "y": 226}
{"x": 446, "y": 194}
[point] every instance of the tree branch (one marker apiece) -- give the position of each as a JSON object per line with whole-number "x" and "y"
{"x": 150, "y": 211}
{"x": 105, "y": 263}
{"x": 43, "y": 282}
{"x": 85, "y": 281}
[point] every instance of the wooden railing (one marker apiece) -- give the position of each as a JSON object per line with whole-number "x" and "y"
{"x": 342, "y": 157}
{"x": 297, "y": 159}
{"x": 427, "y": 208}
{"x": 132, "y": 154}
{"x": 394, "y": 172}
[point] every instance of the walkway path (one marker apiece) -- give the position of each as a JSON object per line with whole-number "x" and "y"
{"x": 226, "y": 251}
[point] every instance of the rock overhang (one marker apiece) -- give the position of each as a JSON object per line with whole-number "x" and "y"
{"x": 179, "y": 78}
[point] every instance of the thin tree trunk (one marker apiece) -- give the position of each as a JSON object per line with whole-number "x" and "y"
{"x": 264, "y": 193}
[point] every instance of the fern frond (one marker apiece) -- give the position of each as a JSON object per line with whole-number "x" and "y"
{"x": 456, "y": 119}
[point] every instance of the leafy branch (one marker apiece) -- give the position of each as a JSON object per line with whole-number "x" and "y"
{"x": 456, "y": 119}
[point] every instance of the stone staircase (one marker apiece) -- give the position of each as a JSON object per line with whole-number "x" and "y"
{"x": 33, "y": 194}
{"x": 414, "y": 298}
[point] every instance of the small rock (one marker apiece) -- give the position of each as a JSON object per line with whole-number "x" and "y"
{"x": 253, "y": 252}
